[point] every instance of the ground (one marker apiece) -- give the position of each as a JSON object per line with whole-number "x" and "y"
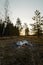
{"x": 21, "y": 56}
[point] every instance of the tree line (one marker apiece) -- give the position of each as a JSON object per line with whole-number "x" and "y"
{"x": 8, "y": 29}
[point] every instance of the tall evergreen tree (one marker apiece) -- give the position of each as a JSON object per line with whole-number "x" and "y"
{"x": 26, "y": 30}
{"x": 37, "y": 25}
{"x": 18, "y": 25}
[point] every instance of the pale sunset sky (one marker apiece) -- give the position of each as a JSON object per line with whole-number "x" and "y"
{"x": 24, "y": 9}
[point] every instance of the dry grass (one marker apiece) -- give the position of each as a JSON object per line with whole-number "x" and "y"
{"x": 21, "y": 56}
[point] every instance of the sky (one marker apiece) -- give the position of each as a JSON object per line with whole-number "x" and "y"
{"x": 24, "y": 9}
